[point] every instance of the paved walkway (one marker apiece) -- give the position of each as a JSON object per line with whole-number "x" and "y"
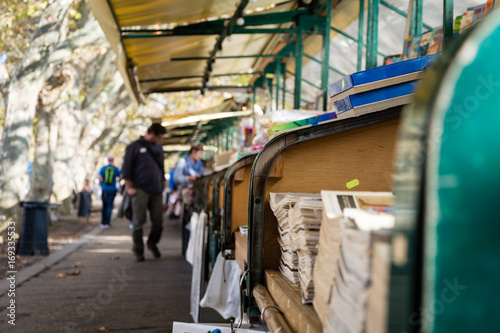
{"x": 98, "y": 285}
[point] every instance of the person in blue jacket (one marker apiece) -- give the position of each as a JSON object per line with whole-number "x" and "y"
{"x": 190, "y": 167}
{"x": 107, "y": 177}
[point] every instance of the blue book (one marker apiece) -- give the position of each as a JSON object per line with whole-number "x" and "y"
{"x": 375, "y": 100}
{"x": 379, "y": 77}
{"x": 303, "y": 123}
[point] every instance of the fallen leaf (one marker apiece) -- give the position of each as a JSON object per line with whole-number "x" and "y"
{"x": 97, "y": 243}
{"x": 114, "y": 258}
{"x": 60, "y": 275}
{"x": 102, "y": 329}
{"x": 1, "y": 320}
{"x": 75, "y": 272}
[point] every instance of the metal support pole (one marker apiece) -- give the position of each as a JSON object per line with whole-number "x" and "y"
{"x": 418, "y": 10}
{"x": 372, "y": 32}
{"x": 447, "y": 22}
{"x": 253, "y": 106}
{"x": 278, "y": 76}
{"x": 231, "y": 135}
{"x": 326, "y": 55}
{"x": 254, "y": 98}
{"x": 227, "y": 139}
{"x": 413, "y": 18}
{"x": 360, "y": 32}
{"x": 368, "y": 36}
{"x": 284, "y": 87}
{"x": 376, "y": 7}
{"x": 271, "y": 92}
{"x": 298, "y": 71}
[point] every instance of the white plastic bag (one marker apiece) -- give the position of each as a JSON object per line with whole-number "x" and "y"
{"x": 223, "y": 290}
{"x": 196, "y": 245}
{"x": 192, "y": 238}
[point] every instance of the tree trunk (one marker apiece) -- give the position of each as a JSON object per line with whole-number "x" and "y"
{"x": 46, "y": 136}
{"x": 70, "y": 65}
{"x": 80, "y": 127}
{"x": 25, "y": 85}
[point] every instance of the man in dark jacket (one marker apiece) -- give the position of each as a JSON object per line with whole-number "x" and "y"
{"x": 143, "y": 172}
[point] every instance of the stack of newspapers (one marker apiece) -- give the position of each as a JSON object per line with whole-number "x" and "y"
{"x": 289, "y": 263}
{"x": 351, "y": 273}
{"x": 326, "y": 260}
{"x": 305, "y": 222}
{"x": 299, "y": 220}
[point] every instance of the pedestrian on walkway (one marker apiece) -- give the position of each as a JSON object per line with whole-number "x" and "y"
{"x": 143, "y": 172}
{"x": 107, "y": 177}
{"x": 189, "y": 168}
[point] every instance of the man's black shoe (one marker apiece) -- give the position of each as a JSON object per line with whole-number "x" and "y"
{"x": 155, "y": 251}
{"x": 139, "y": 257}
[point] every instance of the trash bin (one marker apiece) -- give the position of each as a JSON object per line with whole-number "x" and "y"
{"x": 84, "y": 204}
{"x": 34, "y": 230}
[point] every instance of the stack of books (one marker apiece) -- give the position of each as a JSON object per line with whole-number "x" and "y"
{"x": 326, "y": 260}
{"x": 378, "y": 88}
{"x": 302, "y": 123}
{"x": 346, "y": 285}
{"x": 305, "y": 222}
{"x": 378, "y": 292}
{"x": 280, "y": 205}
{"x": 299, "y": 220}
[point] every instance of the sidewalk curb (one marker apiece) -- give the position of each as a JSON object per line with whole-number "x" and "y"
{"x": 27, "y": 273}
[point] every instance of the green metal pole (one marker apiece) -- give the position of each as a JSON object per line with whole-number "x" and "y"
{"x": 368, "y": 55}
{"x": 413, "y": 18}
{"x": 278, "y": 76}
{"x": 230, "y": 143}
{"x": 447, "y": 22}
{"x": 284, "y": 88}
{"x": 271, "y": 91}
{"x": 326, "y": 55}
{"x": 254, "y": 98}
{"x": 298, "y": 70}
{"x": 376, "y": 5}
{"x": 253, "y": 106}
{"x": 372, "y": 32}
{"x": 360, "y": 33}
{"x": 418, "y": 16}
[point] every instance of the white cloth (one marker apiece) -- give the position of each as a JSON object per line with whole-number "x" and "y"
{"x": 194, "y": 251}
{"x": 193, "y": 223}
{"x": 223, "y": 290}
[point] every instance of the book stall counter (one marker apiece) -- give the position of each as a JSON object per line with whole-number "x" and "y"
{"x": 202, "y": 197}
{"x": 324, "y": 157}
{"x": 235, "y": 216}
{"x": 217, "y": 199}
{"x": 214, "y": 209}
{"x": 236, "y": 186}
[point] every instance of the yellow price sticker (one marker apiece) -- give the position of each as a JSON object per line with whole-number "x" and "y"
{"x": 343, "y": 84}
{"x": 352, "y": 183}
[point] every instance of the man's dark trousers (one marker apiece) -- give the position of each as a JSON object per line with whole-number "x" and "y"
{"x": 108, "y": 197}
{"x": 141, "y": 202}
